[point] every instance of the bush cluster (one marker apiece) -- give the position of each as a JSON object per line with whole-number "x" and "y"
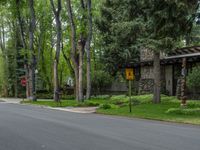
{"x": 193, "y": 78}
{"x": 105, "y": 106}
{"x": 184, "y": 111}
{"x": 87, "y": 104}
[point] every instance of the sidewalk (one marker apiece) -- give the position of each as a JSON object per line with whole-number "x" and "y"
{"x": 84, "y": 110}
{"x": 11, "y": 100}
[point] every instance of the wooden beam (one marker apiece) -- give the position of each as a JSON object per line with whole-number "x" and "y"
{"x": 183, "y": 82}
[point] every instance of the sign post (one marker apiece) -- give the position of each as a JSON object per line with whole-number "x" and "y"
{"x": 23, "y": 83}
{"x": 130, "y": 102}
{"x": 130, "y": 76}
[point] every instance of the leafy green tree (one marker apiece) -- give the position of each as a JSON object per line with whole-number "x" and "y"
{"x": 80, "y": 22}
{"x": 11, "y": 49}
{"x": 57, "y": 12}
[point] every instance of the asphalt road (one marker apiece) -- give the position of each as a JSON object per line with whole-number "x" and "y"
{"x": 33, "y": 128}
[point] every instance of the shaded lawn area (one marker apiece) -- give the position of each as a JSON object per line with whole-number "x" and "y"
{"x": 51, "y": 103}
{"x": 152, "y": 111}
{"x": 147, "y": 110}
{"x": 142, "y": 107}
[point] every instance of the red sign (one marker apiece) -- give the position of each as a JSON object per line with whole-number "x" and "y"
{"x": 23, "y": 81}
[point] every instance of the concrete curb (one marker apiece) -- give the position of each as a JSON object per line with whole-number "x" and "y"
{"x": 83, "y": 110}
{"x": 77, "y": 109}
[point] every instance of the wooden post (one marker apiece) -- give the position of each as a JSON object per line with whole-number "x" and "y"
{"x": 183, "y": 83}
{"x": 130, "y": 103}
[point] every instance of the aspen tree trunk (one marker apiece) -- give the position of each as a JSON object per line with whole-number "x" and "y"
{"x": 3, "y": 49}
{"x": 31, "y": 47}
{"x": 74, "y": 56}
{"x": 88, "y": 50}
{"x": 81, "y": 51}
{"x": 58, "y": 48}
{"x": 56, "y": 82}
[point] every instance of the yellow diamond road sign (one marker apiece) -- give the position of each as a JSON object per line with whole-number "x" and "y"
{"x": 130, "y": 74}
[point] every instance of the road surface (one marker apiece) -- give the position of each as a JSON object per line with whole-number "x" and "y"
{"x": 33, "y": 128}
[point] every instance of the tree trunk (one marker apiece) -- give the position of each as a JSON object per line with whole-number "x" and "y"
{"x": 56, "y": 82}
{"x": 2, "y": 37}
{"x": 58, "y": 47}
{"x": 27, "y": 81}
{"x": 31, "y": 47}
{"x": 74, "y": 49}
{"x": 81, "y": 51}
{"x": 67, "y": 59}
{"x": 88, "y": 91}
{"x": 52, "y": 61}
{"x": 157, "y": 82}
{"x": 5, "y": 59}
{"x": 76, "y": 85}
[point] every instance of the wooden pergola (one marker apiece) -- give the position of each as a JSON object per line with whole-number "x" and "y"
{"x": 192, "y": 54}
{"x": 185, "y": 51}
{"x": 184, "y": 55}
{"x": 181, "y": 56}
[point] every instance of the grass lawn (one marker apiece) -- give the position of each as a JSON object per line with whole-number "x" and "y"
{"x": 147, "y": 110}
{"x": 51, "y": 103}
{"x": 142, "y": 107}
{"x": 65, "y": 103}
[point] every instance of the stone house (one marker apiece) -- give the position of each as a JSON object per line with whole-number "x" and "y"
{"x": 171, "y": 67}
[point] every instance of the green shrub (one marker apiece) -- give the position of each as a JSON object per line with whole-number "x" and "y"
{"x": 193, "y": 105}
{"x": 144, "y": 99}
{"x": 193, "y": 78}
{"x": 119, "y": 102}
{"x": 118, "y": 97}
{"x": 135, "y": 102}
{"x": 48, "y": 95}
{"x": 87, "y": 104}
{"x": 92, "y": 104}
{"x": 101, "y": 97}
{"x": 67, "y": 97}
{"x": 105, "y": 106}
{"x": 184, "y": 111}
{"x": 101, "y": 80}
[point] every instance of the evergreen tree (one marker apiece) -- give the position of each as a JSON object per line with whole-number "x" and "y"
{"x": 120, "y": 25}
{"x": 166, "y": 22}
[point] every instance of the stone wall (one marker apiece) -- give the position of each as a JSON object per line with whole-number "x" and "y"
{"x": 119, "y": 87}
{"x": 146, "y": 83}
{"x": 146, "y": 72}
{"x": 169, "y": 79}
{"x": 147, "y": 55}
{"x": 146, "y": 86}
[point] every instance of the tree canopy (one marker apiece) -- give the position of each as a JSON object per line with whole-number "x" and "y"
{"x": 49, "y": 42}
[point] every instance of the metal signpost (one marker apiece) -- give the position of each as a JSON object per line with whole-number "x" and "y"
{"x": 130, "y": 76}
